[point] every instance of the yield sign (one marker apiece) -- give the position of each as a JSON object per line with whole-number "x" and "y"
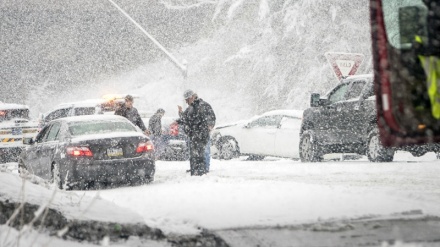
{"x": 344, "y": 64}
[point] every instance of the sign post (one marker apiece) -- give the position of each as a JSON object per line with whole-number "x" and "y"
{"x": 344, "y": 64}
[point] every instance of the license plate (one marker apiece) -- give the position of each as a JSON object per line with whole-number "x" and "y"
{"x": 114, "y": 152}
{"x": 16, "y": 131}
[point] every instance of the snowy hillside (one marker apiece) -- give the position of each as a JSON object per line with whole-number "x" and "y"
{"x": 261, "y": 55}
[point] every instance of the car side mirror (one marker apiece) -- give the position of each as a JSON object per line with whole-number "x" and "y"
{"x": 28, "y": 141}
{"x": 315, "y": 100}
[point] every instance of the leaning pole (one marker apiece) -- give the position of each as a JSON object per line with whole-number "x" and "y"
{"x": 182, "y": 66}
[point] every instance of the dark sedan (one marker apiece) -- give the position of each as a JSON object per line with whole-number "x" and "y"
{"x": 86, "y": 151}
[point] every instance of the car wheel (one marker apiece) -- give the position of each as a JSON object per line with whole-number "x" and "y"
{"x": 255, "y": 157}
{"x": 418, "y": 154}
{"x": 375, "y": 151}
{"x": 228, "y": 149}
{"x": 309, "y": 151}
{"x": 56, "y": 176}
{"x": 150, "y": 177}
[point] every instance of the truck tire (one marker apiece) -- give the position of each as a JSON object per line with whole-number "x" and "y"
{"x": 375, "y": 151}
{"x": 309, "y": 150}
{"x": 228, "y": 148}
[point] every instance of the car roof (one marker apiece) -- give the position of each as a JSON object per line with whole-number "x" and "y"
{"x": 8, "y": 106}
{"x": 99, "y": 117}
{"x": 83, "y": 103}
{"x": 368, "y": 77}
{"x": 292, "y": 113}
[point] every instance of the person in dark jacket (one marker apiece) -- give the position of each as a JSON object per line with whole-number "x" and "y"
{"x": 198, "y": 120}
{"x": 131, "y": 113}
{"x": 155, "y": 128}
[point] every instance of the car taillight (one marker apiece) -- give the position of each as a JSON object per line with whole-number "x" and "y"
{"x": 79, "y": 151}
{"x": 144, "y": 147}
{"x": 174, "y": 129}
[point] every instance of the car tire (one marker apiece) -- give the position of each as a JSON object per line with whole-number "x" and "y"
{"x": 150, "y": 177}
{"x": 309, "y": 150}
{"x": 228, "y": 149}
{"x": 56, "y": 176}
{"x": 254, "y": 157}
{"x": 418, "y": 154}
{"x": 375, "y": 151}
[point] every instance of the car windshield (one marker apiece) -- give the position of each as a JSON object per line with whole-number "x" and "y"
{"x": 9, "y": 114}
{"x": 99, "y": 127}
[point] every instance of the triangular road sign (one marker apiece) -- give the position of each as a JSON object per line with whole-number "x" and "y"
{"x": 344, "y": 64}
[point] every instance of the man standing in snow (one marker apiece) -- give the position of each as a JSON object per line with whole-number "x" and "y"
{"x": 198, "y": 120}
{"x": 155, "y": 127}
{"x": 131, "y": 113}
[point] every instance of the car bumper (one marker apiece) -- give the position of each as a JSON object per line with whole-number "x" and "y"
{"x": 81, "y": 173}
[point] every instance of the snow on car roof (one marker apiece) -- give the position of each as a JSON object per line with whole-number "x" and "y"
{"x": 100, "y": 117}
{"x": 292, "y": 113}
{"x": 83, "y": 103}
{"x": 9, "y": 106}
{"x": 363, "y": 76}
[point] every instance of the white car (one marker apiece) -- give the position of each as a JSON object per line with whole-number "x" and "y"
{"x": 105, "y": 105}
{"x": 274, "y": 133}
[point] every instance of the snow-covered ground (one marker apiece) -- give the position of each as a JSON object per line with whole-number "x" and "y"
{"x": 276, "y": 191}
{"x": 240, "y": 193}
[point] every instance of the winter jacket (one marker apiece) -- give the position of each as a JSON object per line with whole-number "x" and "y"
{"x": 155, "y": 125}
{"x": 131, "y": 114}
{"x": 196, "y": 119}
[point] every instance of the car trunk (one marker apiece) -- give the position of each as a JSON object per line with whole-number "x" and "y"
{"x": 114, "y": 148}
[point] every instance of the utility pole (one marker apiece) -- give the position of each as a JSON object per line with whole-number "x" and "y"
{"x": 181, "y": 66}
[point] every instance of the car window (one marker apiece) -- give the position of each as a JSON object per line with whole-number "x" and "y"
{"x": 60, "y": 113}
{"x": 267, "y": 121}
{"x": 53, "y": 132}
{"x": 355, "y": 90}
{"x": 338, "y": 93}
{"x": 42, "y": 134}
{"x": 99, "y": 127}
{"x": 290, "y": 123}
{"x": 84, "y": 111}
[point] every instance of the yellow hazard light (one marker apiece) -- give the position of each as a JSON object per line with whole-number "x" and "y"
{"x": 421, "y": 126}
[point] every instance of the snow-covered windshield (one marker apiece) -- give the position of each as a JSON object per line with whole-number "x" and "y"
{"x": 99, "y": 127}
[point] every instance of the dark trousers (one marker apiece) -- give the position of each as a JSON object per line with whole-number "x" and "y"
{"x": 197, "y": 159}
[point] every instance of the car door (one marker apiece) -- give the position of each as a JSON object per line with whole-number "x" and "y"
{"x": 33, "y": 152}
{"x": 48, "y": 149}
{"x": 260, "y": 135}
{"x": 352, "y": 117}
{"x": 331, "y": 115}
{"x": 363, "y": 111}
{"x": 287, "y": 137}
